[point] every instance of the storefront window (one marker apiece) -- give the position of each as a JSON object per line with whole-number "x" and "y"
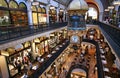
{"x": 4, "y": 14}
{"x": 42, "y": 16}
{"x": 13, "y": 4}
{"x": 23, "y": 18}
{"x": 20, "y": 53}
{"x": 22, "y": 6}
{"x": 34, "y": 15}
{"x": 4, "y": 17}
{"x": 18, "y": 15}
{"x": 52, "y": 15}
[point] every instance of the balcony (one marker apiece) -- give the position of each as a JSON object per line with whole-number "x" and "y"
{"x": 11, "y": 33}
{"x": 112, "y": 34}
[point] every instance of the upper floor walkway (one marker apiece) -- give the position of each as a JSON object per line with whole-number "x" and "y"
{"x": 8, "y": 34}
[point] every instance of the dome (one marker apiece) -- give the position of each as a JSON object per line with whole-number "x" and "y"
{"x": 78, "y": 5}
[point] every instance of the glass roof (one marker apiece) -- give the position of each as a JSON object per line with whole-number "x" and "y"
{"x": 64, "y": 2}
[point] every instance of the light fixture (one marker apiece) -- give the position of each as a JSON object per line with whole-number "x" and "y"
{"x": 35, "y": 3}
{"x": 61, "y": 10}
{"x": 106, "y": 10}
{"x": 116, "y": 2}
{"x": 52, "y": 7}
{"x": 110, "y": 7}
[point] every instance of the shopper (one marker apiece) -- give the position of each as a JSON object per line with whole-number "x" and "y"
{"x": 25, "y": 69}
{"x": 30, "y": 65}
{"x": 19, "y": 67}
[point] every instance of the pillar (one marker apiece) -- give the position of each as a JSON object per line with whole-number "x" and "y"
{"x": 3, "y": 67}
{"x": 58, "y": 14}
{"x": 100, "y": 16}
{"x": 33, "y": 50}
{"x": 64, "y": 15}
{"x": 47, "y": 12}
{"x": 29, "y": 12}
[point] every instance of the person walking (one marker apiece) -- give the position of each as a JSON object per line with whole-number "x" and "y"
{"x": 19, "y": 67}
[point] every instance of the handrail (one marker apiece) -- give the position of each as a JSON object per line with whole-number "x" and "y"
{"x": 112, "y": 31}
{"x": 46, "y": 64}
{"x": 99, "y": 63}
{"x": 8, "y": 33}
{"x": 79, "y": 67}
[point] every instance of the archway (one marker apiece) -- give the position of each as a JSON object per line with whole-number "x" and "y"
{"x": 99, "y": 5}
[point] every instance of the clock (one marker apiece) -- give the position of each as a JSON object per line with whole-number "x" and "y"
{"x": 75, "y": 39}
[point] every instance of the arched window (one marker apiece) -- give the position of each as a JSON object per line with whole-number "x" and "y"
{"x": 34, "y": 15}
{"x": 22, "y": 6}
{"x": 44, "y": 10}
{"x": 34, "y": 8}
{"x": 23, "y": 18}
{"x": 13, "y": 4}
{"x": 39, "y": 9}
{"x": 4, "y": 13}
{"x": 3, "y": 3}
{"x": 52, "y": 14}
{"x": 42, "y": 16}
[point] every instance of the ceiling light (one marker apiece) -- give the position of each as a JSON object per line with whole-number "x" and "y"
{"x": 110, "y": 7}
{"x": 116, "y": 2}
{"x": 106, "y": 9}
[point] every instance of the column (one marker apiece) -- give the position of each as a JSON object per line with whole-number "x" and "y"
{"x": 58, "y": 14}
{"x": 33, "y": 50}
{"x": 4, "y": 70}
{"x": 100, "y": 16}
{"x": 47, "y": 12}
{"x": 64, "y": 15}
{"x": 29, "y": 12}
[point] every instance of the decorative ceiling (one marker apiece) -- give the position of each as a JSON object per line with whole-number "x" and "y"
{"x": 64, "y": 2}
{"x": 105, "y": 3}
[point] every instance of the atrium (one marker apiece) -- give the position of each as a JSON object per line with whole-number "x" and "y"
{"x": 59, "y": 38}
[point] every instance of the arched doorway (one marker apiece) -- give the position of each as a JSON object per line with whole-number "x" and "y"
{"x": 92, "y": 13}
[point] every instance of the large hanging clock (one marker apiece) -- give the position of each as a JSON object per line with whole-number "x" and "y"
{"x": 75, "y": 39}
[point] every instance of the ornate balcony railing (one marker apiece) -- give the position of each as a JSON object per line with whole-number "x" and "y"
{"x": 10, "y": 32}
{"x": 112, "y": 34}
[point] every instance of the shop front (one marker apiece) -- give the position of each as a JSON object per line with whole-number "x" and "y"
{"x": 12, "y": 14}
{"x": 17, "y": 57}
{"x": 52, "y": 14}
{"x": 42, "y": 16}
{"x": 34, "y": 15}
{"x": 41, "y": 46}
{"x": 61, "y": 14}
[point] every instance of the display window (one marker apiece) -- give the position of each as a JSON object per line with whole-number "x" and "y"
{"x": 14, "y": 14}
{"x": 24, "y": 56}
{"x": 18, "y": 14}
{"x": 34, "y": 15}
{"x": 23, "y": 18}
{"x": 19, "y": 54}
{"x": 41, "y": 45}
{"x": 61, "y": 14}
{"x": 4, "y": 13}
{"x": 4, "y": 18}
{"x": 52, "y": 15}
{"x": 42, "y": 15}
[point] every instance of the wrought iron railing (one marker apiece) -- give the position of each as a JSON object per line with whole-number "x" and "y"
{"x": 10, "y": 32}
{"x": 47, "y": 63}
{"x": 112, "y": 31}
